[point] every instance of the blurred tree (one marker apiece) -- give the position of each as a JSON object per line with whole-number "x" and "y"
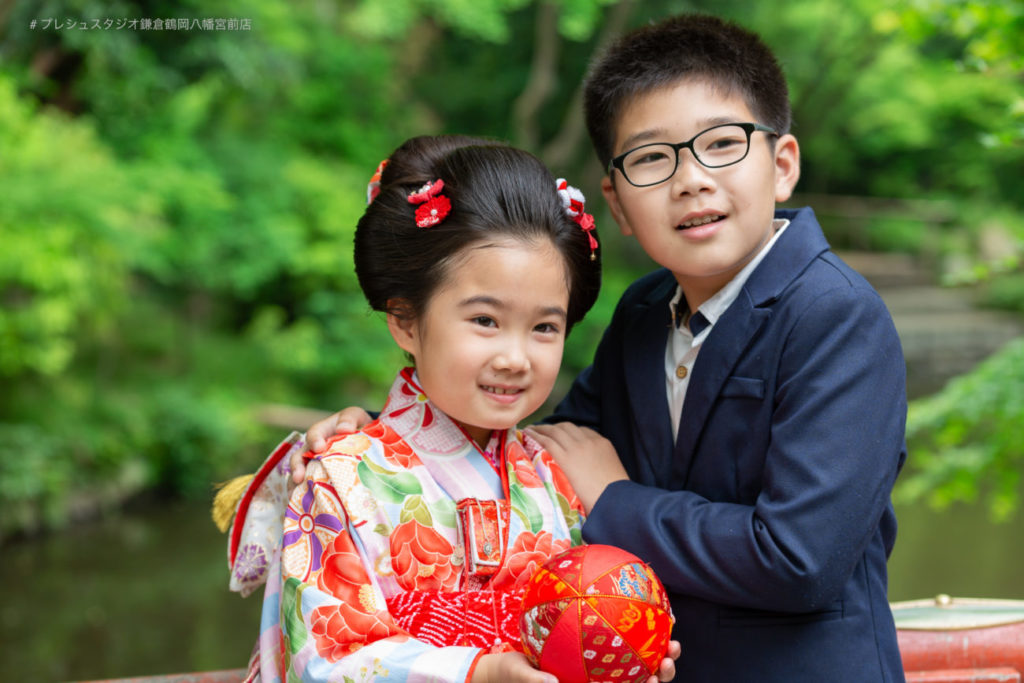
{"x": 966, "y": 443}
{"x": 178, "y": 205}
{"x": 61, "y": 265}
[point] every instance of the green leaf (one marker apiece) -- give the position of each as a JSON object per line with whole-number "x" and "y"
{"x": 377, "y": 468}
{"x": 392, "y": 487}
{"x": 965, "y": 442}
{"x": 416, "y": 508}
{"x": 527, "y": 508}
{"x": 291, "y": 614}
{"x": 443, "y": 511}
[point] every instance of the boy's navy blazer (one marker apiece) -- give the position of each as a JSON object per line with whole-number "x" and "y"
{"x": 769, "y": 518}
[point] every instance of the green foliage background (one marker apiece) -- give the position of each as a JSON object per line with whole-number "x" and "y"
{"x": 177, "y": 207}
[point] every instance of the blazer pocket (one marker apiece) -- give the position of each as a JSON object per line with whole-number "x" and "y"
{"x": 743, "y": 387}
{"x": 736, "y": 616}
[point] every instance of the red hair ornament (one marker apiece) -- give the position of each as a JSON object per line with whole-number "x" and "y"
{"x": 574, "y": 204}
{"x": 434, "y": 206}
{"x": 596, "y": 613}
{"x": 373, "y": 187}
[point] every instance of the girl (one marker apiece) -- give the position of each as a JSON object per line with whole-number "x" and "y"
{"x": 403, "y": 553}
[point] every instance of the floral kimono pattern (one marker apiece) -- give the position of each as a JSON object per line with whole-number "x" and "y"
{"x": 403, "y": 555}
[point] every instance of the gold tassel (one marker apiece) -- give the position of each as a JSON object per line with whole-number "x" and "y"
{"x": 226, "y": 501}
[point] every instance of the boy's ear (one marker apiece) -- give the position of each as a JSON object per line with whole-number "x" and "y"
{"x": 402, "y": 325}
{"x": 612, "y": 197}
{"x": 787, "y": 167}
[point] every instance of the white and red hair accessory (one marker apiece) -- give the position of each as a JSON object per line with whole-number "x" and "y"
{"x": 434, "y": 206}
{"x": 373, "y": 187}
{"x": 575, "y": 207}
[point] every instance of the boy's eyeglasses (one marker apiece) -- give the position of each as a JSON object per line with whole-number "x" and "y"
{"x": 718, "y": 146}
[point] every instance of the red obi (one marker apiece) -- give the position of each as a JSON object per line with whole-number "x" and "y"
{"x": 471, "y": 618}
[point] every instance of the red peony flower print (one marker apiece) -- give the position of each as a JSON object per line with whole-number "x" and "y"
{"x": 523, "y": 468}
{"x": 561, "y": 482}
{"x": 341, "y": 629}
{"x": 343, "y": 573}
{"x": 528, "y": 552}
{"x": 421, "y": 558}
{"x": 396, "y": 450}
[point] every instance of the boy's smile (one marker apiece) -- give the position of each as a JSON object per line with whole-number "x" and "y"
{"x": 703, "y": 224}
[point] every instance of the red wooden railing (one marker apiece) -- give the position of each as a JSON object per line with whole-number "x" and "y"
{"x": 961, "y": 640}
{"x": 942, "y": 640}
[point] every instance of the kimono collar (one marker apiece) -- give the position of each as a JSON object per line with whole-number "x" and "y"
{"x": 441, "y": 445}
{"x": 429, "y": 430}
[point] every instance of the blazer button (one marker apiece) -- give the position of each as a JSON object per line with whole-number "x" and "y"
{"x": 681, "y": 371}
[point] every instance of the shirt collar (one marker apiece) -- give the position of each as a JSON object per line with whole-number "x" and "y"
{"x": 714, "y": 307}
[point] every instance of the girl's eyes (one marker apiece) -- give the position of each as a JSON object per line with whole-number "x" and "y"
{"x": 487, "y": 321}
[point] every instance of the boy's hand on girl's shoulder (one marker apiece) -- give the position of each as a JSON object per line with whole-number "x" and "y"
{"x": 344, "y": 421}
{"x": 588, "y": 459}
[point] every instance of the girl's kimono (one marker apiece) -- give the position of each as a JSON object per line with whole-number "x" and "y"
{"x": 404, "y": 554}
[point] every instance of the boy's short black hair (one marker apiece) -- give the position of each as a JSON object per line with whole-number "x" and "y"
{"x": 683, "y": 47}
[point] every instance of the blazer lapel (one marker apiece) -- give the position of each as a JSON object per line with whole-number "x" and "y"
{"x": 718, "y": 356}
{"x": 645, "y": 376}
{"x": 802, "y": 242}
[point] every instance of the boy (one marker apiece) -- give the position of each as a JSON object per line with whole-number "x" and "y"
{"x": 750, "y": 396}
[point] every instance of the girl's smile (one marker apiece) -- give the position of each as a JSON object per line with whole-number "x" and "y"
{"x": 489, "y": 344}
{"x": 503, "y": 394}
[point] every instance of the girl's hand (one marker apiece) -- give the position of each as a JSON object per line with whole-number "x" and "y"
{"x": 348, "y": 420}
{"x": 508, "y": 666}
{"x": 513, "y": 666}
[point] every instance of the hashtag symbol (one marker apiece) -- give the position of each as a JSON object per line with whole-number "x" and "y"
{"x": 32, "y": 26}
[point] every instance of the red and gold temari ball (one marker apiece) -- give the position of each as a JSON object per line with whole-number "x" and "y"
{"x": 596, "y": 613}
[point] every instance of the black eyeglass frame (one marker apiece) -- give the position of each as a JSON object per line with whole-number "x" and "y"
{"x": 748, "y": 128}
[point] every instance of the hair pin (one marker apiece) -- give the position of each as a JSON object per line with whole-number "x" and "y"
{"x": 373, "y": 187}
{"x": 434, "y": 206}
{"x": 575, "y": 207}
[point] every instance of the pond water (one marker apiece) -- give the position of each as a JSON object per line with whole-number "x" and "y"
{"x": 958, "y": 551}
{"x": 141, "y": 593}
{"x": 146, "y": 592}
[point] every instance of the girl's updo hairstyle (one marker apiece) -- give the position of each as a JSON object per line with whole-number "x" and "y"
{"x": 496, "y": 192}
